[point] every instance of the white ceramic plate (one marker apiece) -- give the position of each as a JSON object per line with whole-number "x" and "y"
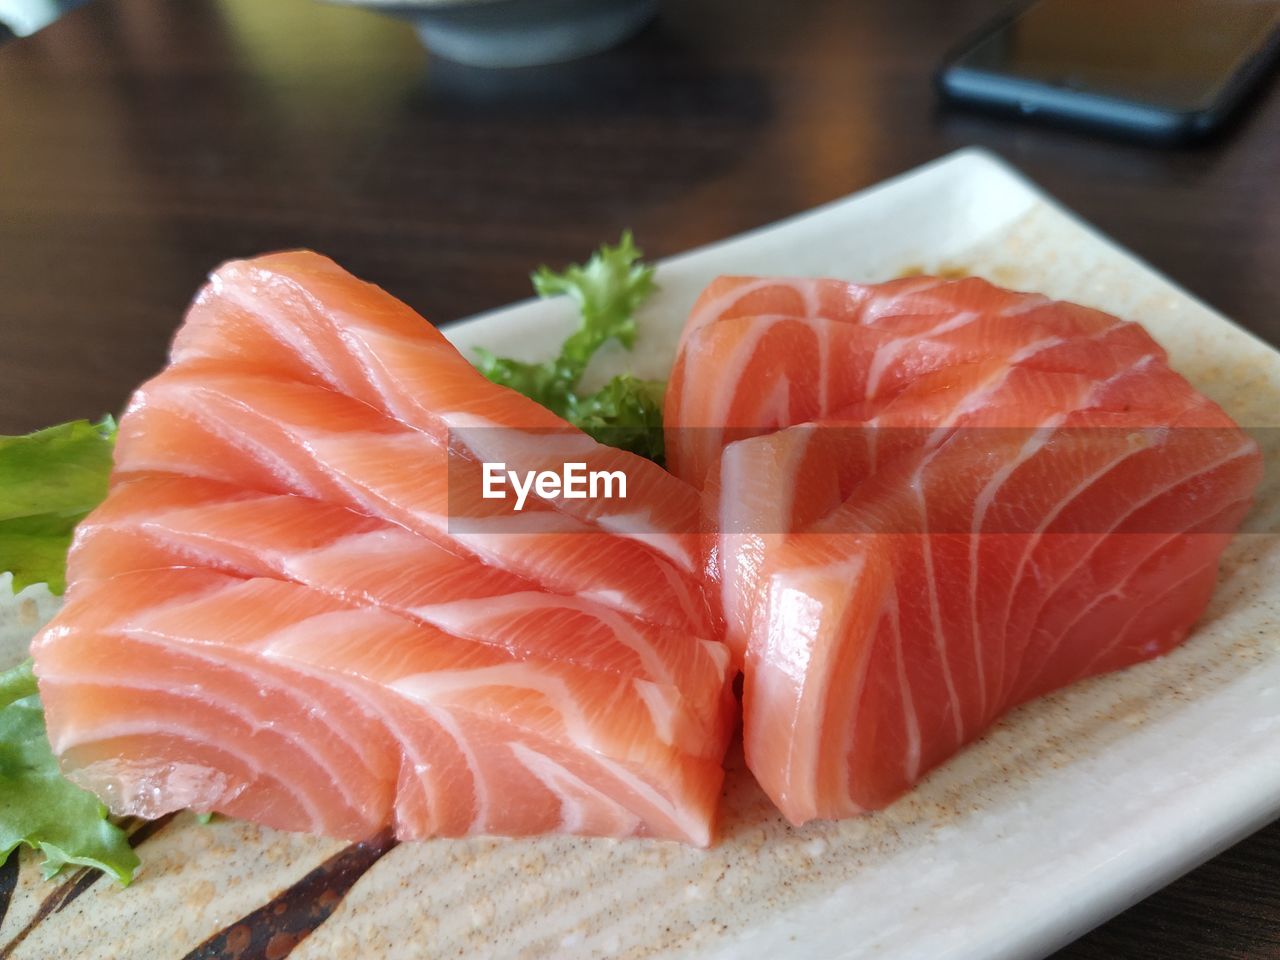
{"x": 1068, "y": 811}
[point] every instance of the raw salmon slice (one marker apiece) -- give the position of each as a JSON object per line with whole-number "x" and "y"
{"x": 301, "y": 314}
{"x": 1046, "y": 503}
{"x": 297, "y": 686}
{"x": 821, "y": 346}
{"x": 296, "y": 607}
{"x": 158, "y": 521}
{"x": 269, "y": 433}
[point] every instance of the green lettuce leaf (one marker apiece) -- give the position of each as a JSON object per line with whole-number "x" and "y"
{"x": 49, "y": 481}
{"x": 625, "y": 413}
{"x": 37, "y": 806}
{"x": 608, "y": 289}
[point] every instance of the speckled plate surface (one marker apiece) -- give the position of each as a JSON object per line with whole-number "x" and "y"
{"x": 1069, "y": 810}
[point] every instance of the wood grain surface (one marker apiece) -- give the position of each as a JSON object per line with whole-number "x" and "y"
{"x": 142, "y": 142}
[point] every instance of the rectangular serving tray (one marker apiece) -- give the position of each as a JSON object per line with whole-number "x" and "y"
{"x": 1071, "y": 809}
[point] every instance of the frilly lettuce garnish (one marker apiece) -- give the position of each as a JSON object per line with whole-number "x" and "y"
{"x": 627, "y": 411}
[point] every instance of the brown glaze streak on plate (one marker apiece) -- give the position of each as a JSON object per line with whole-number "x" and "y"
{"x": 8, "y": 880}
{"x": 70, "y": 889}
{"x": 275, "y": 928}
{"x": 64, "y": 893}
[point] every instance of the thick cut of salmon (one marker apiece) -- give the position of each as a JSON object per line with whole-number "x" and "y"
{"x": 992, "y": 496}
{"x": 295, "y": 606}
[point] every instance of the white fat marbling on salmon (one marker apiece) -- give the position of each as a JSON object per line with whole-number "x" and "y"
{"x": 1246, "y": 449}
{"x": 661, "y": 709}
{"x": 584, "y": 808}
{"x": 911, "y": 756}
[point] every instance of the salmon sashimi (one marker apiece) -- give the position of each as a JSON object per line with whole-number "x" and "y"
{"x": 273, "y": 434}
{"x": 802, "y": 366}
{"x": 340, "y": 721}
{"x": 1047, "y": 503}
{"x": 296, "y": 607}
{"x": 297, "y": 314}
{"x": 158, "y": 521}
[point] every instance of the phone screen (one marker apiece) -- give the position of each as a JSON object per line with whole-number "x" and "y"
{"x": 1176, "y": 54}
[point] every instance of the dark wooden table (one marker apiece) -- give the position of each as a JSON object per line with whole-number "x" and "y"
{"x": 143, "y": 141}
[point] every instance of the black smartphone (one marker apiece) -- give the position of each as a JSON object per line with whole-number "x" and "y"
{"x": 1166, "y": 70}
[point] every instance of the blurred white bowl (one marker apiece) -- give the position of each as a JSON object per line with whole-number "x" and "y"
{"x": 517, "y": 33}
